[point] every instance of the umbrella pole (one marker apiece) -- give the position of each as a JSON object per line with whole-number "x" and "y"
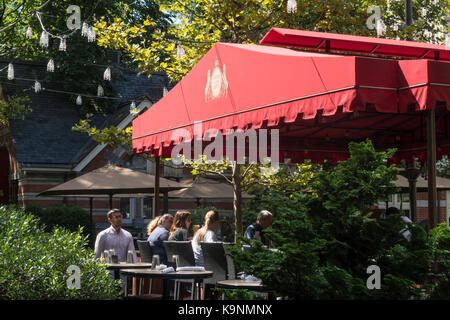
{"x": 156, "y": 193}
{"x": 431, "y": 164}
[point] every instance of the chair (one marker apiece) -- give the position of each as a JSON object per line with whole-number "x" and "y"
{"x": 183, "y": 249}
{"x": 216, "y": 260}
{"x": 145, "y": 250}
{"x": 146, "y": 256}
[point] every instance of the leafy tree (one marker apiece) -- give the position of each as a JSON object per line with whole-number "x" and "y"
{"x": 34, "y": 263}
{"x": 443, "y": 167}
{"x": 244, "y": 177}
{"x": 326, "y": 239}
{"x": 80, "y": 68}
{"x": 198, "y": 24}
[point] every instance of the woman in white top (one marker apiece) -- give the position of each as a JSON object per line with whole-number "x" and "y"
{"x": 206, "y": 234}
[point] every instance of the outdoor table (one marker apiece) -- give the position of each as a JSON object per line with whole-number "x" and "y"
{"x": 196, "y": 276}
{"x": 243, "y": 284}
{"x": 127, "y": 265}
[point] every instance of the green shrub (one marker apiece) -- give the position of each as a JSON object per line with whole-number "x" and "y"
{"x": 66, "y": 216}
{"x": 34, "y": 263}
{"x": 327, "y": 238}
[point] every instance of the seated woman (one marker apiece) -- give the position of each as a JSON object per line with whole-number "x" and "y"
{"x": 159, "y": 235}
{"x": 180, "y": 226}
{"x": 206, "y": 234}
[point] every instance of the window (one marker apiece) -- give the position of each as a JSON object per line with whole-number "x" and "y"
{"x": 125, "y": 208}
{"x": 147, "y": 208}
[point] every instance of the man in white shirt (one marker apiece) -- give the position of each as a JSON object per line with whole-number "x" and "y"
{"x": 115, "y": 238}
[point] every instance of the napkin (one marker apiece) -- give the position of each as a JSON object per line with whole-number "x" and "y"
{"x": 191, "y": 268}
{"x": 167, "y": 270}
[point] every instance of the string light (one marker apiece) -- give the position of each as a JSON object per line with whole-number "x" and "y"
{"x": 10, "y": 71}
{"x": 84, "y": 29}
{"x": 79, "y": 101}
{"x": 37, "y": 86}
{"x": 91, "y": 34}
{"x": 62, "y": 44}
{"x": 107, "y": 74}
{"x": 100, "y": 91}
{"x": 51, "y": 66}
{"x": 29, "y": 33}
{"x": 165, "y": 91}
{"x": 44, "y": 39}
{"x": 180, "y": 52}
{"x": 381, "y": 28}
{"x": 292, "y": 6}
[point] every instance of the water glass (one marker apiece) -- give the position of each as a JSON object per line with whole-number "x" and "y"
{"x": 155, "y": 261}
{"x": 130, "y": 257}
{"x": 176, "y": 259}
{"x": 106, "y": 256}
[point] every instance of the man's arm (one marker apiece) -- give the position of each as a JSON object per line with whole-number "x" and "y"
{"x": 99, "y": 245}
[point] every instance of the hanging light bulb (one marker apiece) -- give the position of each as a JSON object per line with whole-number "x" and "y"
{"x": 79, "y": 101}
{"x": 381, "y": 28}
{"x": 107, "y": 74}
{"x": 91, "y": 34}
{"x": 165, "y": 91}
{"x": 10, "y": 71}
{"x": 84, "y": 29}
{"x": 37, "y": 86}
{"x": 62, "y": 44}
{"x": 100, "y": 91}
{"x": 51, "y": 65}
{"x": 133, "y": 110}
{"x": 44, "y": 39}
{"x": 29, "y": 33}
{"x": 447, "y": 41}
{"x": 180, "y": 52}
{"x": 292, "y": 6}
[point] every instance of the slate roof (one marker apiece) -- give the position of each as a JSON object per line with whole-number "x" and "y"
{"x": 45, "y": 137}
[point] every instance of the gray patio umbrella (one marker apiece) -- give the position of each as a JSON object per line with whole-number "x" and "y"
{"x": 108, "y": 181}
{"x": 204, "y": 188}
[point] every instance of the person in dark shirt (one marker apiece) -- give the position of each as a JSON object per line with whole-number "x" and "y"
{"x": 180, "y": 226}
{"x": 255, "y": 230}
{"x": 159, "y": 235}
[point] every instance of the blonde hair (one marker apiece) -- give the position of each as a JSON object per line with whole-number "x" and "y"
{"x": 179, "y": 221}
{"x": 210, "y": 217}
{"x": 153, "y": 224}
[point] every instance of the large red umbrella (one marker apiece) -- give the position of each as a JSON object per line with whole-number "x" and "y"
{"x": 318, "y": 102}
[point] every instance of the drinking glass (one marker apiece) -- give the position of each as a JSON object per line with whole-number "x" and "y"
{"x": 155, "y": 261}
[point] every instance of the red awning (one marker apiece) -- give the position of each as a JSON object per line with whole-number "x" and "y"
{"x": 354, "y": 44}
{"x": 311, "y": 97}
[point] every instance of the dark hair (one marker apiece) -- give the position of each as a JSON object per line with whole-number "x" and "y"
{"x": 392, "y": 210}
{"x": 179, "y": 221}
{"x": 110, "y": 212}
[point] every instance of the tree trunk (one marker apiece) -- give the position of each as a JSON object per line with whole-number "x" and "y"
{"x": 237, "y": 197}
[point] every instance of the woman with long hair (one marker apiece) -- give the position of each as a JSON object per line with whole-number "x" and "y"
{"x": 205, "y": 234}
{"x": 152, "y": 225}
{"x": 180, "y": 226}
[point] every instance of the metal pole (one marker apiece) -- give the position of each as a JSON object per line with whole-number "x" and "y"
{"x": 431, "y": 165}
{"x": 409, "y": 12}
{"x": 156, "y": 191}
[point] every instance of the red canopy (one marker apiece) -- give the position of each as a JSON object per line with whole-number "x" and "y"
{"x": 355, "y": 44}
{"x": 319, "y": 102}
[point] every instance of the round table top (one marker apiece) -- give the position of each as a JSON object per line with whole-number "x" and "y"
{"x": 127, "y": 265}
{"x": 149, "y": 273}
